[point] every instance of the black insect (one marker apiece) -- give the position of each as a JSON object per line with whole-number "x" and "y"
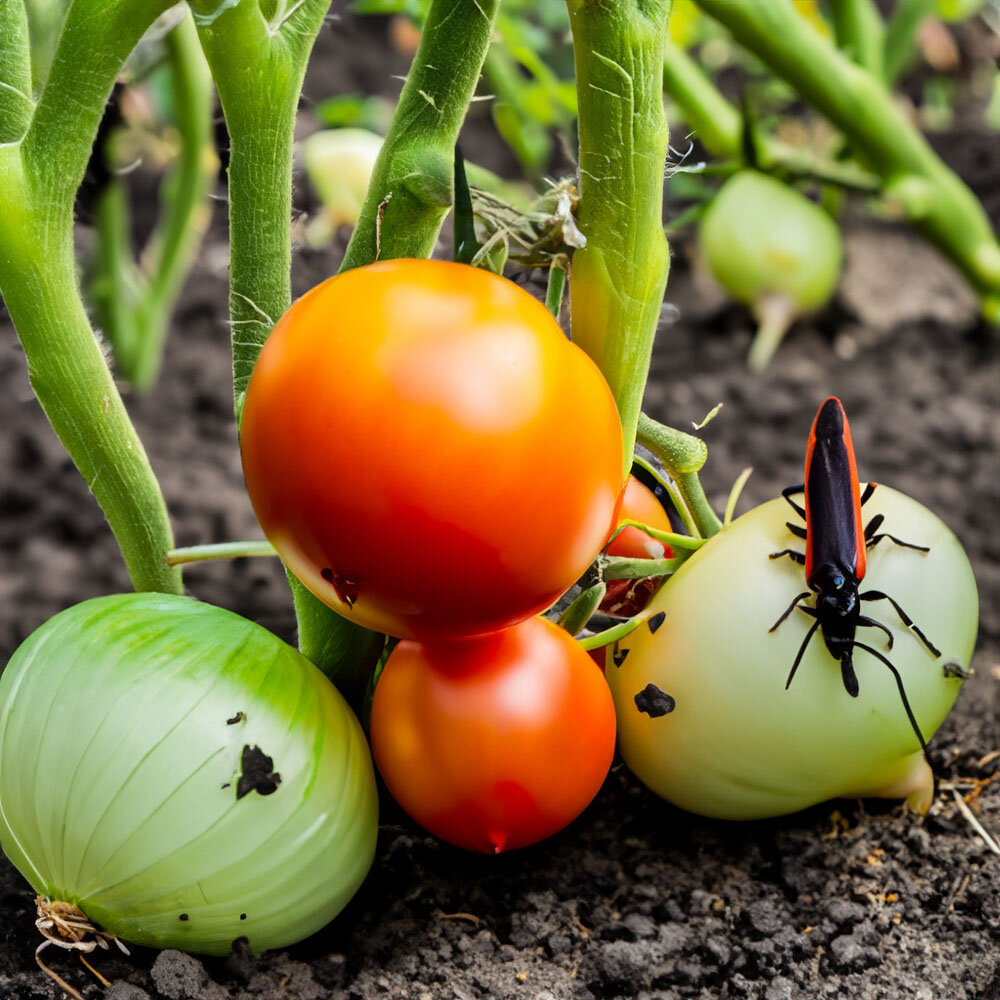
{"x": 836, "y": 544}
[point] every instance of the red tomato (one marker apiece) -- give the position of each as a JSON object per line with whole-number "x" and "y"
{"x": 639, "y": 503}
{"x": 427, "y": 451}
{"x": 493, "y": 742}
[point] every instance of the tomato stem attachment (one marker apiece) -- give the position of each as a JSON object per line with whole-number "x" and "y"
{"x": 221, "y": 550}
{"x": 682, "y": 456}
{"x": 613, "y": 634}
{"x": 929, "y": 194}
{"x": 44, "y": 150}
{"x": 619, "y": 277}
{"x": 412, "y": 186}
{"x": 628, "y": 568}
{"x": 671, "y": 538}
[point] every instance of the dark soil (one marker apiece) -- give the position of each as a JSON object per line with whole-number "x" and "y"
{"x": 635, "y": 899}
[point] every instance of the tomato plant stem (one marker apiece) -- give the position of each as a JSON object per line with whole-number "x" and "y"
{"x": 42, "y": 161}
{"x": 221, "y": 550}
{"x": 619, "y": 277}
{"x": 719, "y": 125}
{"x": 860, "y": 33}
{"x": 258, "y": 63}
{"x": 134, "y": 303}
{"x": 682, "y": 456}
{"x": 901, "y": 33}
{"x": 931, "y": 196}
{"x": 412, "y": 186}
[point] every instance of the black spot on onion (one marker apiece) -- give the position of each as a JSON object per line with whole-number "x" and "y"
{"x": 238, "y": 717}
{"x": 183, "y": 916}
{"x": 656, "y": 620}
{"x": 654, "y": 702}
{"x": 258, "y": 773}
{"x": 619, "y": 655}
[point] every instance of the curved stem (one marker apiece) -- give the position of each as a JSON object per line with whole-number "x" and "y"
{"x": 412, "y": 186}
{"x": 619, "y": 277}
{"x": 38, "y": 181}
{"x": 933, "y": 197}
{"x": 682, "y": 456}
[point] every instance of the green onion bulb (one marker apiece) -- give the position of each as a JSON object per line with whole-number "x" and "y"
{"x": 770, "y": 247}
{"x": 704, "y": 718}
{"x": 182, "y": 776}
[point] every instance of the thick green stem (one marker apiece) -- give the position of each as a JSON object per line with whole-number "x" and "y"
{"x": 619, "y": 277}
{"x": 39, "y": 177}
{"x": 860, "y": 33}
{"x": 682, "y": 456}
{"x": 135, "y": 304}
{"x": 16, "y": 103}
{"x": 412, "y": 186}
{"x": 258, "y": 64}
{"x": 932, "y": 197}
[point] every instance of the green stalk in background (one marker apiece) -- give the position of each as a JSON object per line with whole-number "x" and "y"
{"x": 619, "y": 277}
{"x": 134, "y": 303}
{"x": 44, "y": 151}
{"x": 412, "y": 187}
{"x": 860, "y": 33}
{"x": 258, "y": 60}
{"x": 932, "y": 197}
{"x": 901, "y": 36}
{"x": 719, "y": 125}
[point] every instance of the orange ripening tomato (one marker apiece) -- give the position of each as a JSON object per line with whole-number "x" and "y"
{"x": 493, "y": 742}
{"x": 639, "y": 503}
{"x": 427, "y": 451}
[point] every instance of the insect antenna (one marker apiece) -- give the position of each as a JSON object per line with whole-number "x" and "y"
{"x": 801, "y": 653}
{"x": 902, "y": 690}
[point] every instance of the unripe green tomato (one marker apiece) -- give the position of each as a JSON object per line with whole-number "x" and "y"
{"x": 762, "y": 238}
{"x": 721, "y": 735}
{"x": 182, "y": 776}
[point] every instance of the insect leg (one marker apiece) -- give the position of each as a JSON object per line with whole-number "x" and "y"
{"x": 873, "y": 540}
{"x": 847, "y": 673}
{"x": 788, "y": 492}
{"x": 902, "y": 691}
{"x": 872, "y": 623}
{"x": 867, "y": 495}
{"x": 797, "y": 530}
{"x": 791, "y": 608}
{"x": 872, "y": 526}
{"x": 877, "y": 595}
{"x": 797, "y": 557}
{"x": 801, "y": 653}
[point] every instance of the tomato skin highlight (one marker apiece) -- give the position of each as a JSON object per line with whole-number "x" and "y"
{"x": 427, "y": 451}
{"x": 495, "y": 742}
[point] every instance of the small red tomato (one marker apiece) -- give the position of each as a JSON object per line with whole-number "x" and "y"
{"x": 493, "y": 742}
{"x": 427, "y": 451}
{"x": 639, "y": 503}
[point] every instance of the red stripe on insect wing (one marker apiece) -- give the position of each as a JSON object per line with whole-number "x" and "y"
{"x": 860, "y": 562}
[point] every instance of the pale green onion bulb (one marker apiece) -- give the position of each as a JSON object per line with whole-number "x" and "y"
{"x": 720, "y": 734}
{"x": 770, "y": 247}
{"x": 339, "y": 163}
{"x": 134, "y": 780}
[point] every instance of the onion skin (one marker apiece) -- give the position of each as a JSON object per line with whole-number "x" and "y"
{"x": 736, "y": 744}
{"x": 123, "y": 723}
{"x": 761, "y": 237}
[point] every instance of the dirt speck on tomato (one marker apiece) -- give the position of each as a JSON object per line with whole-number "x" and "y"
{"x": 258, "y": 774}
